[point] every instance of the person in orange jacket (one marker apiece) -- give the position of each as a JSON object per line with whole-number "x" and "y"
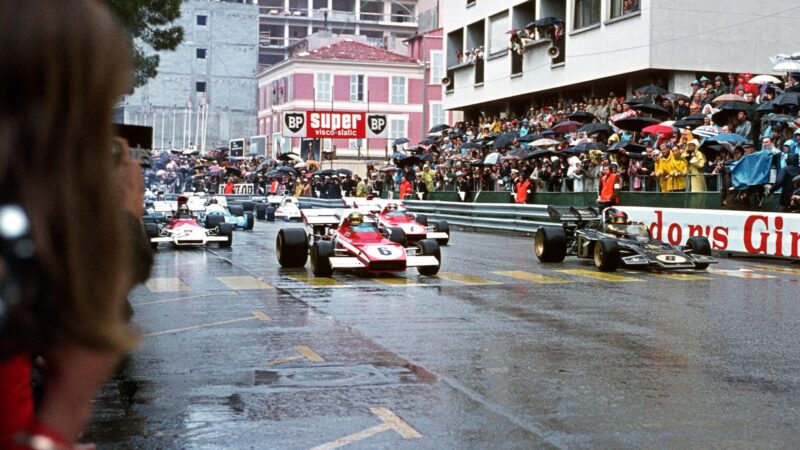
{"x": 405, "y": 188}
{"x": 609, "y": 187}
{"x": 523, "y": 186}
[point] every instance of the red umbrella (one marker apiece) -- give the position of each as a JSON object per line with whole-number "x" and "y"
{"x": 657, "y": 129}
{"x": 567, "y": 126}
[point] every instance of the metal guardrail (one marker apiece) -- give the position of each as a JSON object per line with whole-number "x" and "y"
{"x": 487, "y": 216}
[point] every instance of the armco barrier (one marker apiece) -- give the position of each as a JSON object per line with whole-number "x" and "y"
{"x": 487, "y": 216}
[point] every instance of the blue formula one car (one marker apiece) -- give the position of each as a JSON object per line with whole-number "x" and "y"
{"x": 217, "y": 211}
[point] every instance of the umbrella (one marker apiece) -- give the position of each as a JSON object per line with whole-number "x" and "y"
{"x": 400, "y": 141}
{"x": 764, "y": 79}
{"x": 595, "y": 128}
{"x": 542, "y": 153}
{"x": 504, "y": 140}
{"x": 428, "y": 141}
{"x": 388, "y": 168}
{"x": 548, "y": 133}
{"x": 788, "y": 99}
{"x": 544, "y": 143}
{"x": 545, "y": 22}
{"x": 765, "y": 107}
{"x": 636, "y": 101}
{"x": 651, "y": 90}
{"x": 416, "y": 149}
{"x": 426, "y": 157}
{"x": 398, "y": 155}
{"x": 300, "y": 165}
{"x": 469, "y": 145}
{"x": 289, "y": 156}
{"x": 695, "y": 120}
{"x": 325, "y": 173}
{"x": 312, "y": 163}
{"x": 706, "y": 131}
{"x": 727, "y": 98}
{"x": 581, "y": 116}
{"x": 778, "y": 118}
{"x": 651, "y": 108}
{"x": 287, "y": 169}
{"x": 439, "y": 128}
{"x": 587, "y": 146}
{"x": 727, "y": 137}
{"x": 735, "y": 106}
{"x": 233, "y": 171}
{"x": 530, "y": 137}
{"x": 492, "y": 159}
{"x": 787, "y": 66}
{"x": 567, "y": 126}
{"x": 344, "y": 172}
{"x": 657, "y": 129}
{"x": 408, "y": 161}
{"x": 629, "y": 147}
{"x": 519, "y": 153}
{"x": 635, "y": 123}
{"x": 674, "y": 97}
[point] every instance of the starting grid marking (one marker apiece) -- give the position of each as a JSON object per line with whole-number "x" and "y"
{"x": 305, "y": 353}
{"x": 390, "y": 421}
{"x": 256, "y": 315}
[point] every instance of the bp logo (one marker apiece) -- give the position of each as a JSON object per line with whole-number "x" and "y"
{"x": 294, "y": 121}
{"x": 376, "y": 124}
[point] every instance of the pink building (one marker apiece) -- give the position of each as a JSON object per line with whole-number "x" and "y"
{"x": 349, "y": 75}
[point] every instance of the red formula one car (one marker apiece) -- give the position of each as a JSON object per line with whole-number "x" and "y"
{"x": 351, "y": 240}
{"x": 182, "y": 228}
{"x": 393, "y": 214}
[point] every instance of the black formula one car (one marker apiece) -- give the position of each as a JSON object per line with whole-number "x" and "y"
{"x": 611, "y": 241}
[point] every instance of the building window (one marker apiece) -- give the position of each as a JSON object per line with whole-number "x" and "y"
{"x": 397, "y": 129}
{"x": 437, "y": 67}
{"x": 201, "y": 53}
{"x": 356, "y": 88}
{"x": 498, "y": 39}
{"x": 355, "y": 144}
{"x": 437, "y": 114}
{"x": 398, "y": 91}
{"x": 290, "y": 88}
{"x": 200, "y": 86}
{"x": 587, "y": 13}
{"x": 323, "y": 87}
{"x": 622, "y": 7}
{"x": 202, "y": 20}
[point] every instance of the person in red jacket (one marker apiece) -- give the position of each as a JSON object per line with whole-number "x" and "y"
{"x": 523, "y": 190}
{"x": 609, "y": 187}
{"x": 405, "y": 188}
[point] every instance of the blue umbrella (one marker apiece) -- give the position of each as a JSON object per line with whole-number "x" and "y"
{"x": 398, "y": 155}
{"x": 728, "y": 137}
{"x": 548, "y": 133}
{"x": 400, "y": 141}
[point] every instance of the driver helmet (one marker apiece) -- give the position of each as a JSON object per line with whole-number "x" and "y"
{"x": 620, "y": 218}
{"x": 214, "y": 201}
{"x": 391, "y": 207}
{"x": 355, "y": 219}
{"x": 183, "y": 210}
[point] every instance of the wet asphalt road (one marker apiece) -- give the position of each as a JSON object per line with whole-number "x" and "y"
{"x": 500, "y": 351}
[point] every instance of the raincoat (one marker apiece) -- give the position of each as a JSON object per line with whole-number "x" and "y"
{"x": 695, "y": 167}
{"x": 671, "y": 173}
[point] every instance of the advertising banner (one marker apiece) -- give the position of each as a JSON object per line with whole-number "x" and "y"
{"x": 239, "y": 189}
{"x": 334, "y": 124}
{"x": 757, "y": 233}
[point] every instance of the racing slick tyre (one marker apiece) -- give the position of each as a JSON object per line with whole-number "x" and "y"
{"x": 291, "y": 247}
{"x": 270, "y": 213}
{"x": 429, "y": 247}
{"x": 441, "y": 226}
{"x": 214, "y": 220}
{"x": 397, "y": 235}
{"x": 147, "y": 218}
{"x": 250, "y": 220}
{"x": 321, "y": 253}
{"x": 226, "y": 230}
{"x": 236, "y": 210}
{"x": 421, "y": 219}
{"x": 248, "y": 206}
{"x": 700, "y": 246}
{"x": 151, "y": 230}
{"x": 606, "y": 255}
{"x": 550, "y": 244}
{"x": 261, "y": 211}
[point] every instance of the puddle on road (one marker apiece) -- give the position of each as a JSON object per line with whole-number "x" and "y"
{"x": 341, "y": 376}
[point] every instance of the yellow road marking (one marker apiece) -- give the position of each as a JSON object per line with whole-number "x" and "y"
{"x": 390, "y": 422}
{"x": 244, "y": 282}
{"x": 599, "y": 275}
{"x": 256, "y": 315}
{"x": 177, "y": 299}
{"x": 775, "y": 269}
{"x": 166, "y": 285}
{"x": 532, "y": 277}
{"x": 285, "y": 359}
{"x": 309, "y": 354}
{"x": 465, "y": 279}
{"x": 397, "y": 281}
{"x": 261, "y": 316}
{"x": 318, "y": 282}
{"x": 739, "y": 274}
{"x": 681, "y": 276}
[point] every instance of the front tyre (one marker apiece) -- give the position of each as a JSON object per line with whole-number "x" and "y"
{"x": 249, "y": 220}
{"x": 321, "y": 253}
{"x": 397, "y": 235}
{"x": 270, "y": 213}
{"x": 442, "y": 226}
{"x": 606, "y": 255}
{"x": 550, "y": 244}
{"x": 429, "y": 247}
{"x": 226, "y": 230}
{"x": 421, "y": 219}
{"x": 701, "y": 246}
{"x": 261, "y": 211}
{"x": 291, "y": 247}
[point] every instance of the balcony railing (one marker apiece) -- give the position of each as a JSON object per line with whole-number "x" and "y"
{"x": 337, "y": 16}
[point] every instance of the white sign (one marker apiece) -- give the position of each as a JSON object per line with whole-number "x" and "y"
{"x": 757, "y": 233}
{"x": 239, "y": 189}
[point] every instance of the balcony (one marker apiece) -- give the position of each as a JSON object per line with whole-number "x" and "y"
{"x": 304, "y": 14}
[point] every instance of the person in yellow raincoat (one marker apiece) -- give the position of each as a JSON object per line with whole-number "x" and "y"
{"x": 695, "y": 162}
{"x": 671, "y": 171}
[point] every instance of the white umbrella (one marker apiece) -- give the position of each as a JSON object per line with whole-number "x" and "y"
{"x": 706, "y": 131}
{"x": 299, "y": 165}
{"x": 492, "y": 158}
{"x": 789, "y": 65}
{"x": 544, "y": 143}
{"x": 763, "y": 79}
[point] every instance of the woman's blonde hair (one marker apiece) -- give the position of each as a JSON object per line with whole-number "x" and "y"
{"x": 65, "y": 63}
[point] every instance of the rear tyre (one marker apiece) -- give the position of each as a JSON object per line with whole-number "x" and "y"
{"x": 442, "y": 226}
{"x": 606, "y": 255}
{"x": 421, "y": 219}
{"x": 250, "y": 220}
{"x": 550, "y": 244}
{"x": 236, "y": 210}
{"x": 248, "y": 206}
{"x": 226, "y": 230}
{"x": 397, "y": 235}
{"x": 321, "y": 253}
{"x": 429, "y": 247}
{"x": 261, "y": 211}
{"x": 151, "y": 229}
{"x": 291, "y": 247}
{"x": 214, "y": 220}
{"x": 699, "y": 245}
{"x": 270, "y": 213}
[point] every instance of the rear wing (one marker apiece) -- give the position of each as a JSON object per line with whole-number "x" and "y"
{"x": 321, "y": 216}
{"x": 169, "y": 207}
{"x": 372, "y": 205}
{"x": 571, "y": 214}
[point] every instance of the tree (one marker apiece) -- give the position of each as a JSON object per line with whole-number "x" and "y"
{"x": 149, "y": 23}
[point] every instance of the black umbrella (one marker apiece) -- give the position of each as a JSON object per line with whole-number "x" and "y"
{"x": 287, "y": 169}
{"x": 504, "y": 140}
{"x": 429, "y": 141}
{"x": 695, "y": 120}
{"x": 735, "y": 106}
{"x": 629, "y": 147}
{"x": 710, "y": 149}
{"x": 765, "y": 107}
{"x": 471, "y": 145}
{"x": 408, "y": 161}
{"x": 790, "y": 99}
{"x": 530, "y": 137}
{"x": 230, "y": 170}
{"x": 545, "y": 22}
{"x": 519, "y": 152}
{"x": 542, "y": 153}
{"x": 586, "y": 146}
{"x": 635, "y": 123}
{"x": 326, "y": 173}
{"x": 777, "y": 118}
{"x": 636, "y": 101}
{"x": 651, "y": 108}
{"x": 289, "y": 157}
{"x": 581, "y": 116}
{"x": 674, "y": 97}
{"x": 438, "y": 128}
{"x": 596, "y": 127}
{"x": 651, "y": 90}
{"x": 344, "y": 172}
{"x": 427, "y": 157}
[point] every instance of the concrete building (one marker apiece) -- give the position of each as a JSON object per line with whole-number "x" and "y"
{"x": 216, "y": 65}
{"x": 384, "y": 23}
{"x": 607, "y": 45}
{"x": 328, "y": 72}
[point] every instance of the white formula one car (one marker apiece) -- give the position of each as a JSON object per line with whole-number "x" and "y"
{"x": 289, "y": 210}
{"x": 183, "y": 228}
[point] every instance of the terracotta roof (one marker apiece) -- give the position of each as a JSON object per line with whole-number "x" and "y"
{"x": 355, "y": 51}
